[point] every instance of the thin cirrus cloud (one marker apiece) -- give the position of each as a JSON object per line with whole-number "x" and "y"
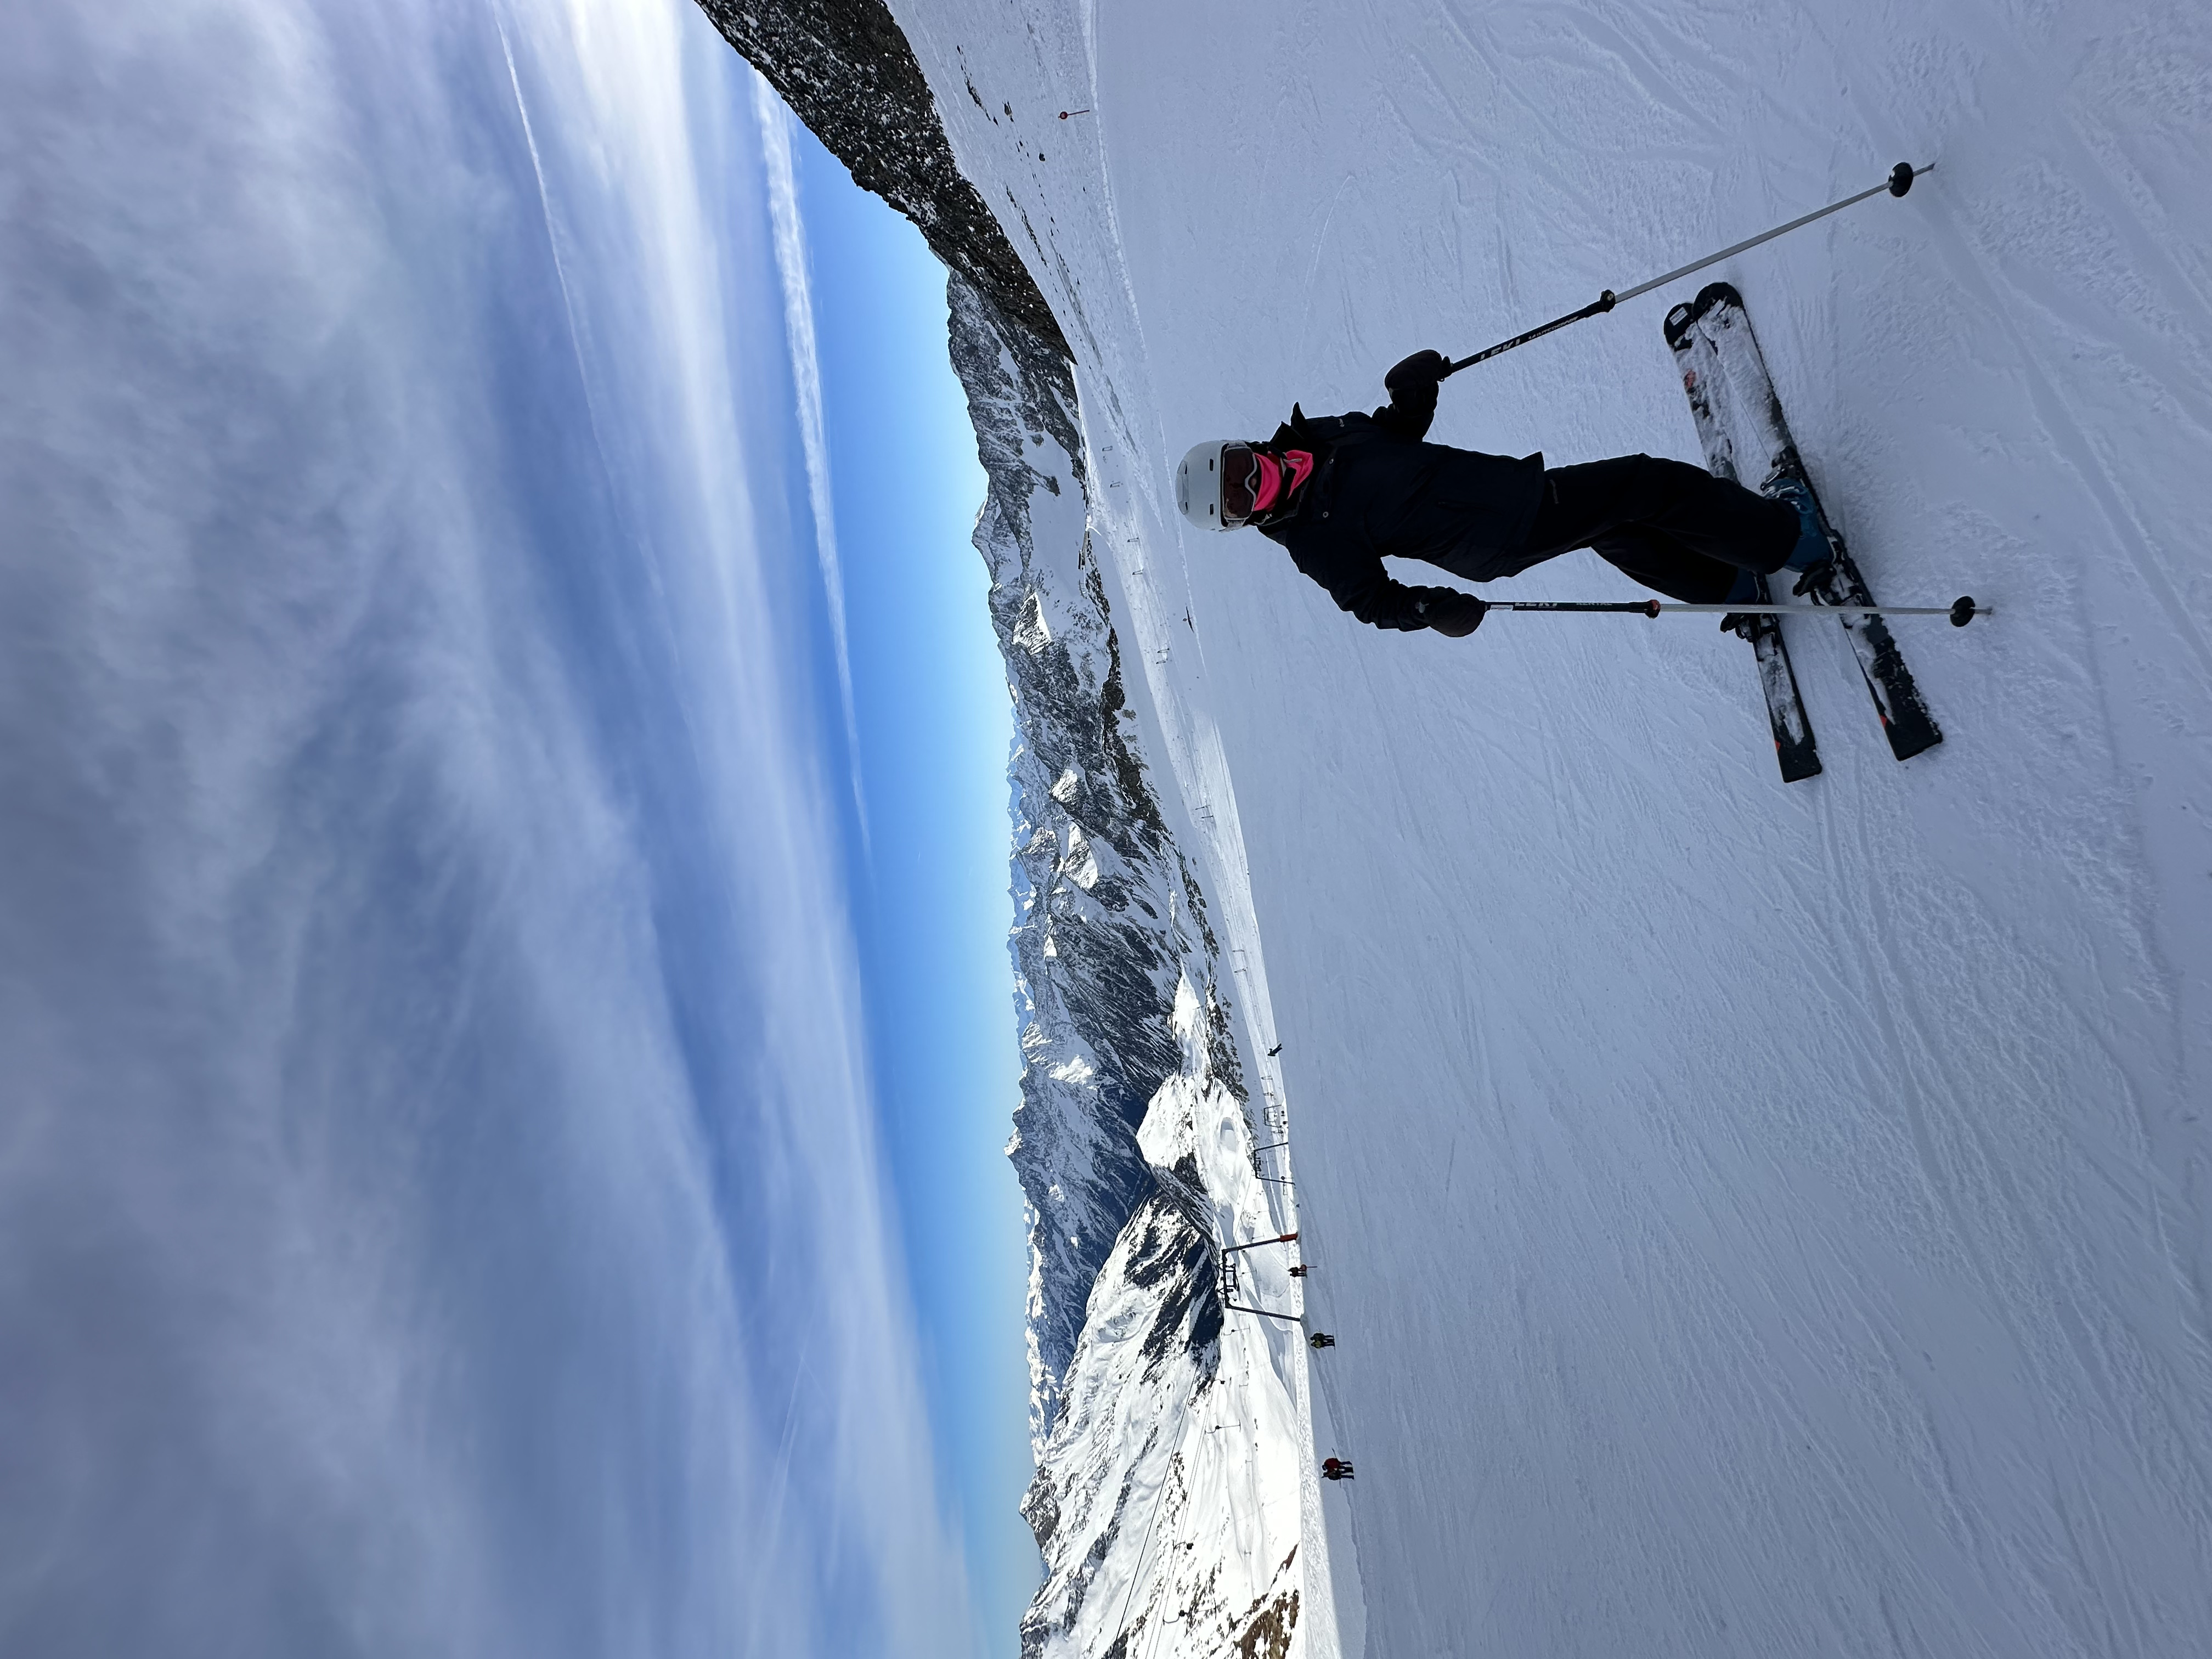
{"x": 439, "y": 1205}
{"x": 775, "y": 130}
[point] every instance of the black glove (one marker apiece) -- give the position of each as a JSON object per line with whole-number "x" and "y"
{"x": 1453, "y": 614}
{"x": 1417, "y": 373}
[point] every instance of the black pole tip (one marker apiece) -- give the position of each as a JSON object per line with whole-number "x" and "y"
{"x": 1962, "y": 613}
{"x": 1901, "y": 178}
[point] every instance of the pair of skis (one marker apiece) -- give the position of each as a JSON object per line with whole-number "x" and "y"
{"x": 1746, "y": 439}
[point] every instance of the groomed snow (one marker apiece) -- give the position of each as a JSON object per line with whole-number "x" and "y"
{"x": 1756, "y": 1219}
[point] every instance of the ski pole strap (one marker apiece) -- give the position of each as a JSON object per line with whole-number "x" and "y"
{"x": 1900, "y": 180}
{"x": 1961, "y": 611}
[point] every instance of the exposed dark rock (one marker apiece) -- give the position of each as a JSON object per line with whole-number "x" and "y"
{"x": 846, "y": 70}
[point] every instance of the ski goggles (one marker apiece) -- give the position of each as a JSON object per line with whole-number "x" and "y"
{"x": 1241, "y": 484}
{"x": 1253, "y": 482}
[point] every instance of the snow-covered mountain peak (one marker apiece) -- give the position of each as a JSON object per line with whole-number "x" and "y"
{"x": 1168, "y": 1498}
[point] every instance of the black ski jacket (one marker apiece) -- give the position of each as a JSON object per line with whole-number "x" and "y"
{"x": 1379, "y": 492}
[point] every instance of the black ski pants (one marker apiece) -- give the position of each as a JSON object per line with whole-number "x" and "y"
{"x": 1674, "y": 527}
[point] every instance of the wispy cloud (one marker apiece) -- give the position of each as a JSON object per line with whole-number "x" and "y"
{"x": 439, "y": 1205}
{"x": 776, "y": 126}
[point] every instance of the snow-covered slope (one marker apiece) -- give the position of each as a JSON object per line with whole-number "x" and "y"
{"x": 1756, "y": 1219}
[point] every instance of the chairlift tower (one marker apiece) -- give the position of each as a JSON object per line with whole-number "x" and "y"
{"x": 1230, "y": 1289}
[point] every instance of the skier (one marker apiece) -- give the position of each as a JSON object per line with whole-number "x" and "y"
{"x": 1299, "y": 1272}
{"x": 1320, "y": 1339}
{"x": 1343, "y": 492}
{"x": 1335, "y": 1468}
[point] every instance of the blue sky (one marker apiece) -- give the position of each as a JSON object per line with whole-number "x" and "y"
{"x": 499, "y": 1156}
{"x": 933, "y": 724}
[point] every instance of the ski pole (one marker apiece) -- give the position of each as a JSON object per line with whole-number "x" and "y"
{"x": 1900, "y": 180}
{"x": 1961, "y": 611}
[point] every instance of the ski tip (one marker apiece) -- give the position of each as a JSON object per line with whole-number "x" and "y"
{"x": 1683, "y": 317}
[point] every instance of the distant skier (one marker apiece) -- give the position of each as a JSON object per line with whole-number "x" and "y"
{"x": 1320, "y": 1339}
{"x": 1299, "y": 1271}
{"x": 1335, "y": 1468}
{"x": 1344, "y": 492}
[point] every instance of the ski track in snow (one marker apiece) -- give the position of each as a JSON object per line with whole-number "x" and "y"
{"x": 1756, "y": 1219}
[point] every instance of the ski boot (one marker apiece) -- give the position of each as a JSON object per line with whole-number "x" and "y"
{"x": 1813, "y": 559}
{"x": 1748, "y": 590}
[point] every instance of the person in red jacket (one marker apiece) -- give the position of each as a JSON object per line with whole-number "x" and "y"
{"x": 1342, "y": 493}
{"x": 1335, "y": 1468}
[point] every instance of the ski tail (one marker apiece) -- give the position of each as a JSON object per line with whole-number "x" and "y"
{"x": 1897, "y": 700}
{"x": 1794, "y": 749}
{"x": 1800, "y": 759}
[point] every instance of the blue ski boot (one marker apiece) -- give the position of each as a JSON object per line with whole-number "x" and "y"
{"x": 1813, "y": 559}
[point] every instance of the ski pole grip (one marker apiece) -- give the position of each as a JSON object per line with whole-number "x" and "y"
{"x": 1422, "y": 368}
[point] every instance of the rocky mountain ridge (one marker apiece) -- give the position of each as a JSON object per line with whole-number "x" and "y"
{"x": 1132, "y": 1141}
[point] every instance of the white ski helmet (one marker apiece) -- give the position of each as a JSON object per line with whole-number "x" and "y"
{"x": 1198, "y": 484}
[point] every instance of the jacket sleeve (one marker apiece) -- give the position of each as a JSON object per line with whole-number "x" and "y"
{"x": 1413, "y": 388}
{"x": 1356, "y": 580}
{"x": 1408, "y": 412}
{"x": 1407, "y": 416}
